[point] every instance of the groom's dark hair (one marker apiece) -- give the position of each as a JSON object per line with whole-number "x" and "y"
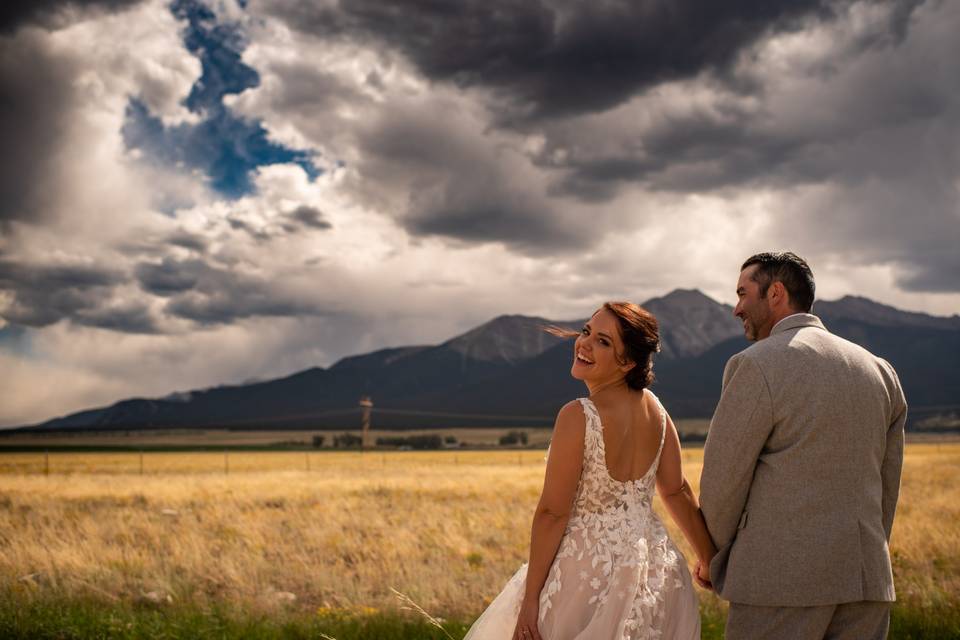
{"x": 791, "y": 270}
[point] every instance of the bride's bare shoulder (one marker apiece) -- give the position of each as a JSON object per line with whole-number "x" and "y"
{"x": 570, "y": 418}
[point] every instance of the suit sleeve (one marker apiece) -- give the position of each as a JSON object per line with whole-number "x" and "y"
{"x": 893, "y": 454}
{"x": 739, "y": 428}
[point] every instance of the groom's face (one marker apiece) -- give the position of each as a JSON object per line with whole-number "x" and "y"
{"x": 752, "y": 309}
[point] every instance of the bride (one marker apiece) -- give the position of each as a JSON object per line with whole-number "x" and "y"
{"x": 601, "y": 563}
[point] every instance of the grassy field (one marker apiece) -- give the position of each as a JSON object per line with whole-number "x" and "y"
{"x": 259, "y": 546}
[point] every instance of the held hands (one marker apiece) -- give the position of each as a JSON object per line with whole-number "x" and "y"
{"x": 527, "y": 623}
{"x": 702, "y": 575}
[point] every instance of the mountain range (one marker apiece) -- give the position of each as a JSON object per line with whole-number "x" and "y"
{"x": 510, "y": 372}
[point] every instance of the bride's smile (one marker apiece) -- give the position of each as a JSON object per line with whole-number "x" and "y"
{"x": 598, "y": 351}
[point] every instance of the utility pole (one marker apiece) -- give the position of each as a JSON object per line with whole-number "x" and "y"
{"x": 366, "y": 405}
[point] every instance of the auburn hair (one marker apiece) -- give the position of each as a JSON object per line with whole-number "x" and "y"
{"x": 640, "y": 334}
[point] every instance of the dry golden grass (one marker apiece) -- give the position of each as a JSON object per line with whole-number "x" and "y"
{"x": 445, "y": 528}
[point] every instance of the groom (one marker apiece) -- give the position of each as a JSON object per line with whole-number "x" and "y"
{"x": 801, "y": 469}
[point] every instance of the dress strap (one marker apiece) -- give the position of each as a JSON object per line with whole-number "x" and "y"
{"x": 592, "y": 434}
{"x": 590, "y": 411}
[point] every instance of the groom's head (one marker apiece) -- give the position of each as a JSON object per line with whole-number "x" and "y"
{"x": 771, "y": 287}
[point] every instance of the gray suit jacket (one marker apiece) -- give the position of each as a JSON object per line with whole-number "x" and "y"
{"x": 801, "y": 470}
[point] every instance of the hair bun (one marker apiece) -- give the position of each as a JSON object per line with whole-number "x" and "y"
{"x": 641, "y": 339}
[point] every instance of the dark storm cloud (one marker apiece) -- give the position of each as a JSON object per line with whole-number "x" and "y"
{"x": 932, "y": 272}
{"x": 170, "y": 276}
{"x": 310, "y": 217}
{"x": 557, "y": 58}
{"x": 932, "y": 269}
{"x": 693, "y": 153}
{"x": 457, "y": 191}
{"x": 259, "y": 235}
{"x": 129, "y": 318}
{"x": 475, "y": 211}
{"x": 244, "y": 300}
{"x": 188, "y": 240}
{"x": 208, "y": 294}
{"x": 458, "y": 184}
{"x": 36, "y": 98}
{"x": 729, "y": 145}
{"x": 303, "y": 217}
{"x": 556, "y": 62}
{"x": 16, "y": 13}
{"x": 45, "y": 294}
{"x": 56, "y": 276}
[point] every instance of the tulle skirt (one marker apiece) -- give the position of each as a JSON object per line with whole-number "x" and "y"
{"x": 637, "y": 604}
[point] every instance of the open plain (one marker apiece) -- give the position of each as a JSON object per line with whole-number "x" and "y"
{"x": 323, "y": 536}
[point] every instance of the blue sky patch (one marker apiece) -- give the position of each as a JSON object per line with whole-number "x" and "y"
{"x": 16, "y": 340}
{"x": 223, "y": 145}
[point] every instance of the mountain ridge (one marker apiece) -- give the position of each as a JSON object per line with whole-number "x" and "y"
{"x": 509, "y": 365}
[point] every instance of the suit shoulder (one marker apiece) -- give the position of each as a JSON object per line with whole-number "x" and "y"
{"x": 751, "y": 362}
{"x": 759, "y": 351}
{"x": 857, "y": 350}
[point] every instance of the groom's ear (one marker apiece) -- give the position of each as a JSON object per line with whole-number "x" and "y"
{"x": 778, "y": 291}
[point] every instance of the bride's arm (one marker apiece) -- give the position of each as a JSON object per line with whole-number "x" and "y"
{"x": 680, "y": 499}
{"x": 556, "y": 501}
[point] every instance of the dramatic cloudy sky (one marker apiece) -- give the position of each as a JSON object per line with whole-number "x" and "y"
{"x": 208, "y": 191}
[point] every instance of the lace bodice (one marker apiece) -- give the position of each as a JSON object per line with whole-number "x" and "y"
{"x": 613, "y": 528}
{"x": 599, "y": 493}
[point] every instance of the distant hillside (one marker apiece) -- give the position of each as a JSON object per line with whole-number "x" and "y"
{"x": 509, "y": 371}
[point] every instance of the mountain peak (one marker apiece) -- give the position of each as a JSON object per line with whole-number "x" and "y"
{"x": 691, "y": 322}
{"x": 687, "y": 296}
{"x": 506, "y": 338}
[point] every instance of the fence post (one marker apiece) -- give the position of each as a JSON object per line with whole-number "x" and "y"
{"x": 46, "y": 462}
{"x": 141, "y": 461}
{"x": 226, "y": 462}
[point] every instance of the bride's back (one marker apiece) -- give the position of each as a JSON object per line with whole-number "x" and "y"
{"x": 631, "y": 435}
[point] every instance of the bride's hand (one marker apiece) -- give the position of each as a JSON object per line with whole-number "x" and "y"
{"x": 702, "y": 575}
{"x": 527, "y": 628}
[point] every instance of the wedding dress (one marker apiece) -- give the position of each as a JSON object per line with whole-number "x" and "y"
{"x": 617, "y": 574}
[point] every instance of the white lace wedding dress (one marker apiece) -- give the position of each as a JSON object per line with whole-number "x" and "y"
{"x": 617, "y": 574}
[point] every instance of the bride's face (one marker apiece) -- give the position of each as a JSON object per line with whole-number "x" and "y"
{"x": 598, "y": 350}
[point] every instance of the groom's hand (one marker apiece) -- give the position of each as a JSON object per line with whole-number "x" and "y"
{"x": 702, "y": 575}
